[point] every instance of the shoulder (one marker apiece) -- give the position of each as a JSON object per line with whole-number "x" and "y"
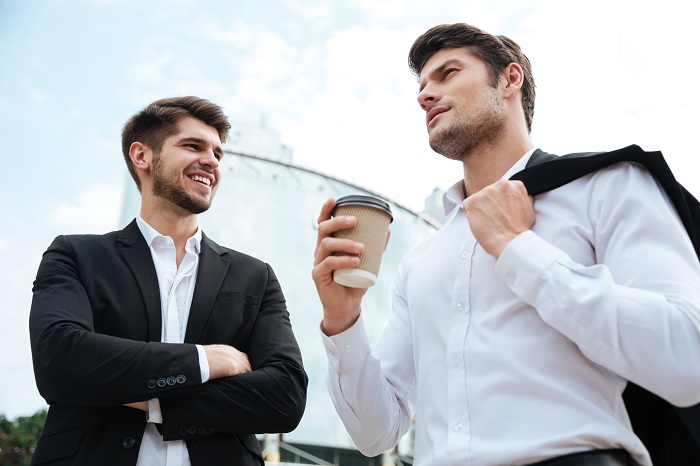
{"x": 82, "y": 242}
{"x": 622, "y": 179}
{"x": 232, "y": 255}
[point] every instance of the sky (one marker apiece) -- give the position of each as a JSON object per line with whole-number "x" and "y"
{"x": 329, "y": 76}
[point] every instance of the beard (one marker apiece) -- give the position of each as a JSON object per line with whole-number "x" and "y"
{"x": 463, "y": 136}
{"x": 165, "y": 186}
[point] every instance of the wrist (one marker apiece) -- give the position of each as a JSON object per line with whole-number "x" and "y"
{"x": 335, "y": 326}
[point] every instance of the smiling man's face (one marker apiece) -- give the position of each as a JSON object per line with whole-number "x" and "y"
{"x": 186, "y": 170}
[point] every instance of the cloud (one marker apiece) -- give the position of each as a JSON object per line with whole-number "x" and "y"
{"x": 363, "y": 123}
{"x": 96, "y": 209}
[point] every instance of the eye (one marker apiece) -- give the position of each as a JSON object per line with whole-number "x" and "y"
{"x": 447, "y": 72}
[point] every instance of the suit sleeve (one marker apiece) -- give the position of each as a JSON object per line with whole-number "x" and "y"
{"x": 76, "y": 364}
{"x": 270, "y": 398}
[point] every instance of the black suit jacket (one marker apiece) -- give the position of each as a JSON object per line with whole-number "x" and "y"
{"x": 95, "y": 328}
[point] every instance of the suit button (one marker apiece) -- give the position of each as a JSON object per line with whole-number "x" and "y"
{"x": 210, "y": 430}
{"x": 181, "y": 379}
{"x": 171, "y": 380}
{"x": 183, "y": 430}
{"x": 192, "y": 430}
{"x": 128, "y": 443}
{"x": 201, "y": 430}
{"x": 152, "y": 384}
{"x": 162, "y": 382}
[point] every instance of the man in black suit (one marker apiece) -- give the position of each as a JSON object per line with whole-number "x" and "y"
{"x": 154, "y": 345}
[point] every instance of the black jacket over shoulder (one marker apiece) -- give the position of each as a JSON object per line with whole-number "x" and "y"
{"x": 95, "y": 328}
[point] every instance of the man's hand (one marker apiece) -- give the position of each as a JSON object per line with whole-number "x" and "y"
{"x": 341, "y": 305}
{"x": 225, "y": 361}
{"x": 498, "y": 213}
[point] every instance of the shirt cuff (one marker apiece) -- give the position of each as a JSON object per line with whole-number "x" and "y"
{"x": 154, "y": 413}
{"x": 523, "y": 261}
{"x": 203, "y": 363}
{"x": 351, "y": 346}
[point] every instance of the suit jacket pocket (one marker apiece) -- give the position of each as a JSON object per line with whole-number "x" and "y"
{"x": 239, "y": 297}
{"x": 54, "y": 446}
{"x": 232, "y": 319}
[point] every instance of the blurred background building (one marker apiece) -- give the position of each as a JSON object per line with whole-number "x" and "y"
{"x": 267, "y": 207}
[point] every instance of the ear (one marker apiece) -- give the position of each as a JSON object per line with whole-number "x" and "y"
{"x": 142, "y": 158}
{"x": 513, "y": 78}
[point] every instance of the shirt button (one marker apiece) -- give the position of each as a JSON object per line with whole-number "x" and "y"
{"x": 464, "y": 255}
{"x": 458, "y": 427}
{"x": 348, "y": 348}
{"x": 348, "y": 398}
{"x": 456, "y": 362}
{"x": 332, "y": 353}
{"x": 460, "y": 306}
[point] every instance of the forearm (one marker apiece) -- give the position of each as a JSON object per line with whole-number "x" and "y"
{"x": 84, "y": 368}
{"x": 269, "y": 399}
{"x": 373, "y": 413}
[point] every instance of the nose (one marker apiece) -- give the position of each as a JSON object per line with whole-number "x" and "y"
{"x": 427, "y": 96}
{"x": 209, "y": 159}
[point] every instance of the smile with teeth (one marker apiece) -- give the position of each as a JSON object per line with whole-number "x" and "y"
{"x": 201, "y": 179}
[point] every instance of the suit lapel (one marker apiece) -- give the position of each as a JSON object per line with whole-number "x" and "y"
{"x": 213, "y": 267}
{"x": 137, "y": 255}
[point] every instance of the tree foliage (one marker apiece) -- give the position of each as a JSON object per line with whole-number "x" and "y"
{"x": 18, "y": 438}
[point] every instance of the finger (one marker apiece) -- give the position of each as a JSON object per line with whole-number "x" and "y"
{"x": 324, "y": 269}
{"x": 326, "y": 210}
{"x": 335, "y": 224}
{"x": 329, "y": 245}
{"x": 519, "y": 186}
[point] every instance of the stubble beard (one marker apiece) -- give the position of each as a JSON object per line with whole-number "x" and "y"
{"x": 463, "y": 136}
{"x": 165, "y": 187}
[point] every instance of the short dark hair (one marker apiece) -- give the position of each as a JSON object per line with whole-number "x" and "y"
{"x": 496, "y": 51}
{"x": 158, "y": 121}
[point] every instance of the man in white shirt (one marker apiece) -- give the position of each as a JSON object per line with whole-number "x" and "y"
{"x": 515, "y": 328}
{"x": 153, "y": 345}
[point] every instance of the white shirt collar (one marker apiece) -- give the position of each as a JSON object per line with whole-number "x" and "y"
{"x": 150, "y": 234}
{"x": 454, "y": 196}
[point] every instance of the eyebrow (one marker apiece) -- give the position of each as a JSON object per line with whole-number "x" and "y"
{"x": 217, "y": 149}
{"x": 439, "y": 70}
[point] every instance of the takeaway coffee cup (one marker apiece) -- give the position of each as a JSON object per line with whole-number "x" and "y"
{"x": 373, "y": 219}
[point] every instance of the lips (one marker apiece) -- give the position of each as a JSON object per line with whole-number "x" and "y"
{"x": 434, "y": 112}
{"x": 201, "y": 179}
{"x": 201, "y": 176}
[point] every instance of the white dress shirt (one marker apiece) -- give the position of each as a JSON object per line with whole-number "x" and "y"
{"x": 514, "y": 361}
{"x": 176, "y": 286}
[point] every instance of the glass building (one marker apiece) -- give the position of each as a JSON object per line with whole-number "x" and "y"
{"x": 267, "y": 207}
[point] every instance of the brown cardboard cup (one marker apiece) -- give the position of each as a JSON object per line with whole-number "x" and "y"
{"x": 373, "y": 219}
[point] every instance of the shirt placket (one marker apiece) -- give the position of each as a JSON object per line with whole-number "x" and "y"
{"x": 459, "y": 430}
{"x": 174, "y": 451}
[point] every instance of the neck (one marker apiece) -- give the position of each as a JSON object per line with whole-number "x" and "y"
{"x": 175, "y": 223}
{"x": 486, "y": 165}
